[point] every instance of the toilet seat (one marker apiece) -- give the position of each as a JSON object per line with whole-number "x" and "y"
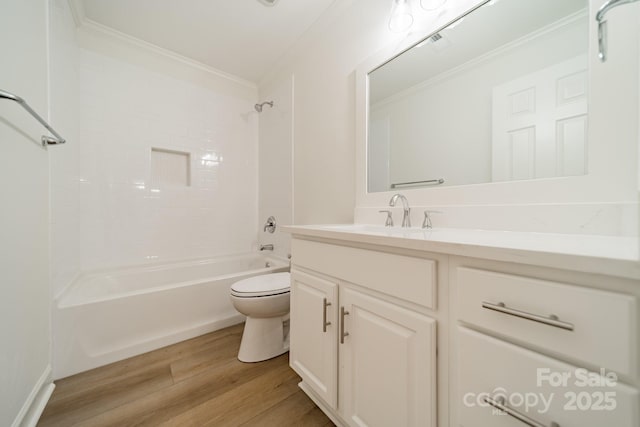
{"x": 262, "y": 286}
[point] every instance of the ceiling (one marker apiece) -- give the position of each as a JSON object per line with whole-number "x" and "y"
{"x": 240, "y": 37}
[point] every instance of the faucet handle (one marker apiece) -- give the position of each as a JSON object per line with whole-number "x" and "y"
{"x": 270, "y": 225}
{"x": 389, "y": 220}
{"x": 426, "y": 223}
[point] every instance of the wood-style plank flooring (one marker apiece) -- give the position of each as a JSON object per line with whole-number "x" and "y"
{"x": 198, "y": 382}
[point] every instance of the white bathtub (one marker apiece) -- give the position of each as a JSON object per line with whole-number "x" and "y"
{"x": 110, "y": 315}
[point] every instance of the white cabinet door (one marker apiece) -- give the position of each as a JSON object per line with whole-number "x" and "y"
{"x": 387, "y": 364}
{"x": 313, "y": 336}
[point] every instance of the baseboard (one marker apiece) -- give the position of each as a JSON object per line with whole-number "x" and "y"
{"x": 34, "y": 405}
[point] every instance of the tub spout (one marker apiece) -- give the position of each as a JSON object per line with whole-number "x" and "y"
{"x": 268, "y": 247}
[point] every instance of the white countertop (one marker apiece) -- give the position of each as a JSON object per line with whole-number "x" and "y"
{"x": 610, "y": 255}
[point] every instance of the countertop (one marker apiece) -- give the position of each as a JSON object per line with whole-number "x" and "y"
{"x": 608, "y": 255}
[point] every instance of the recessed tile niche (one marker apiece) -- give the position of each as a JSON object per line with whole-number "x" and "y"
{"x": 170, "y": 168}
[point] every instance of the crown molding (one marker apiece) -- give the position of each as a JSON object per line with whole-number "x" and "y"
{"x": 86, "y": 24}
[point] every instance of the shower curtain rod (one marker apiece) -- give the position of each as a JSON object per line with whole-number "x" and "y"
{"x": 46, "y": 140}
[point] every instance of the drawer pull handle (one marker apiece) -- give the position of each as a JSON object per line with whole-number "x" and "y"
{"x": 343, "y": 334}
{"x": 500, "y": 404}
{"x": 550, "y": 320}
{"x": 325, "y": 304}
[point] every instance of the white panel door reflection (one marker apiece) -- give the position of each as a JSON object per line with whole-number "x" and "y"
{"x": 540, "y": 123}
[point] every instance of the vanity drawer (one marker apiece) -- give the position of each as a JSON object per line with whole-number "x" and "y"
{"x": 592, "y": 326}
{"x": 536, "y": 386}
{"x": 410, "y": 278}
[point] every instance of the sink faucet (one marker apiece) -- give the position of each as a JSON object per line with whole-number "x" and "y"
{"x": 406, "y": 219}
{"x": 268, "y": 247}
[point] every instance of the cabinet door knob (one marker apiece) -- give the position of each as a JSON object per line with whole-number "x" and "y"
{"x": 325, "y": 304}
{"x": 343, "y": 334}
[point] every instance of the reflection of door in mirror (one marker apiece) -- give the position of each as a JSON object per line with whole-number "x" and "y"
{"x": 540, "y": 123}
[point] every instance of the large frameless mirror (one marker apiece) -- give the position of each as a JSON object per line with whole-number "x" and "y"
{"x": 498, "y": 95}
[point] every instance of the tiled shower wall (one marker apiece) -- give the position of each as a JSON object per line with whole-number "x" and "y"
{"x": 127, "y": 216}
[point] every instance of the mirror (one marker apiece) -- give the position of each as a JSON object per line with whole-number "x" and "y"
{"x": 498, "y": 95}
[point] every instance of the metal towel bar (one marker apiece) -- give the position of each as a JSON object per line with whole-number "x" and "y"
{"x": 427, "y": 182}
{"x": 46, "y": 140}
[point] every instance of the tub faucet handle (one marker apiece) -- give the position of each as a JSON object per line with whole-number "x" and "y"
{"x": 389, "y": 221}
{"x": 270, "y": 225}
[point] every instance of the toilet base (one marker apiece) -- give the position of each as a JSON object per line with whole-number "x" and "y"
{"x": 263, "y": 338}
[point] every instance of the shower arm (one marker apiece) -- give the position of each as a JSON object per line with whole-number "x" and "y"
{"x": 258, "y": 107}
{"x": 46, "y": 140}
{"x": 602, "y": 25}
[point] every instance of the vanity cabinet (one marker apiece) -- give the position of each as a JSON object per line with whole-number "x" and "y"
{"x": 403, "y": 331}
{"x": 543, "y": 352}
{"x": 366, "y": 358}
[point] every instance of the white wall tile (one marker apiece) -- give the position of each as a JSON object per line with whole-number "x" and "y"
{"x": 126, "y": 218}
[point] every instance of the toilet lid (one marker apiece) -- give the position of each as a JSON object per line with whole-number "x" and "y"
{"x": 263, "y": 285}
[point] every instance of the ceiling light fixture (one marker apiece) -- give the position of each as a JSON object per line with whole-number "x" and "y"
{"x": 268, "y": 2}
{"x": 401, "y": 17}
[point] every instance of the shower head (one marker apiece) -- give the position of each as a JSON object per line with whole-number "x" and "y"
{"x": 258, "y": 107}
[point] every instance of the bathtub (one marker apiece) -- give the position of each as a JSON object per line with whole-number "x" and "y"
{"x": 106, "y": 316}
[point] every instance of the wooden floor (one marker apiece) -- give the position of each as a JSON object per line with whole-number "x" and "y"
{"x": 198, "y": 382}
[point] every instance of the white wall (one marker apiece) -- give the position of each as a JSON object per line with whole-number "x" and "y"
{"x": 275, "y": 177}
{"x": 132, "y": 100}
{"x": 24, "y": 217}
{"x": 324, "y": 62}
{"x": 64, "y": 160}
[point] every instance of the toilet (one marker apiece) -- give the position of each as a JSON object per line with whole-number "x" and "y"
{"x": 264, "y": 300}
